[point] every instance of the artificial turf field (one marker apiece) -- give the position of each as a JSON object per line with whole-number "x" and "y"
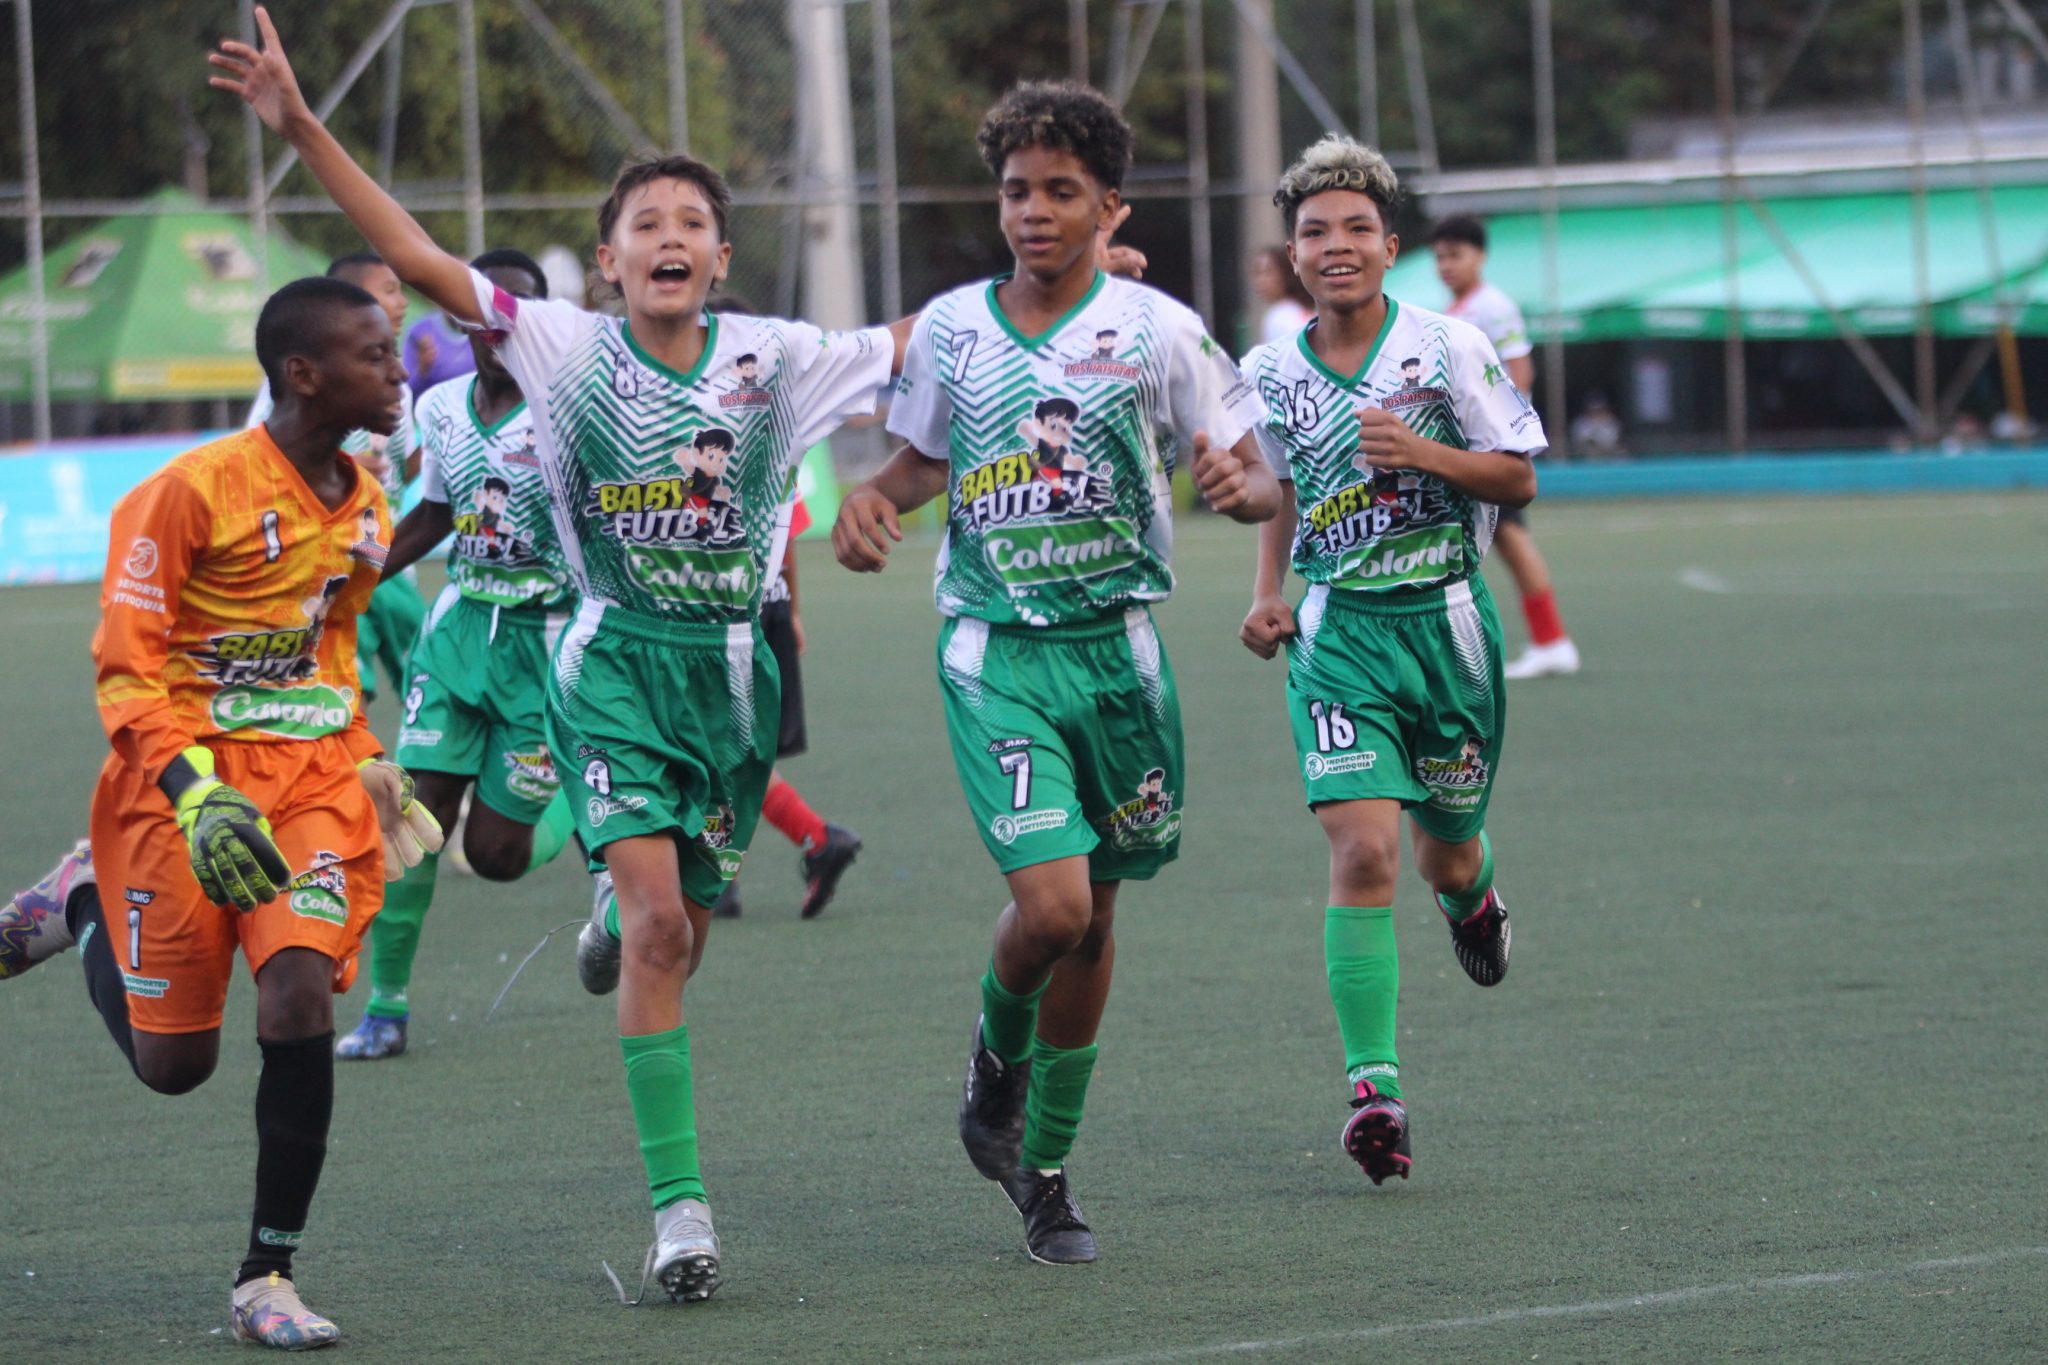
{"x": 1766, "y": 1080}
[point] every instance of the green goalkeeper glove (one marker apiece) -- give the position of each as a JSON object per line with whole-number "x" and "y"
{"x": 410, "y": 829}
{"x": 233, "y": 854}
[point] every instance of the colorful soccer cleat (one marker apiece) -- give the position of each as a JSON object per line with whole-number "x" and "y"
{"x": 376, "y": 1038}
{"x": 992, "y": 1109}
{"x": 597, "y": 952}
{"x": 824, "y": 865}
{"x": 32, "y": 925}
{"x": 1481, "y": 939}
{"x": 1055, "y": 1232}
{"x": 267, "y": 1311}
{"x": 1376, "y": 1134}
{"x": 684, "y": 1257}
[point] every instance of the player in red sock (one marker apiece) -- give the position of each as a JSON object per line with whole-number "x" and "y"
{"x": 828, "y": 849}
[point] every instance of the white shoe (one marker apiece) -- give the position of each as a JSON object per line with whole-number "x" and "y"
{"x": 1559, "y": 658}
{"x": 597, "y": 952}
{"x": 268, "y": 1312}
{"x": 684, "y": 1257}
{"x": 32, "y": 925}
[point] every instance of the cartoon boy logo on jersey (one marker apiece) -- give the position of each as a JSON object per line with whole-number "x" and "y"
{"x": 368, "y": 549}
{"x": 271, "y": 656}
{"x": 716, "y": 519}
{"x": 748, "y": 391}
{"x": 1456, "y": 781}
{"x": 1102, "y": 362}
{"x": 486, "y": 533}
{"x": 1150, "y": 820}
{"x": 1072, "y": 486}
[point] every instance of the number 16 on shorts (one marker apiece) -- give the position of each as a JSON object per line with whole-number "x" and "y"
{"x": 1336, "y": 741}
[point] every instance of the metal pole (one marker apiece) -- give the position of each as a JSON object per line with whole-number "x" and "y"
{"x": 1256, "y": 102}
{"x": 1923, "y": 324}
{"x": 678, "y": 87}
{"x": 1987, "y": 213}
{"x": 1368, "y": 52}
{"x": 1077, "y": 40}
{"x": 1737, "y": 381}
{"x": 1418, "y": 85}
{"x": 32, "y": 194}
{"x": 387, "y": 124}
{"x": 472, "y": 132}
{"x": 883, "y": 36}
{"x": 252, "y": 132}
{"x": 1546, "y": 158}
{"x": 330, "y": 100}
{"x": 1201, "y": 243}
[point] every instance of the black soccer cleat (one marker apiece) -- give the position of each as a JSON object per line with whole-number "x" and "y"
{"x": 992, "y": 1109}
{"x": 1481, "y": 939}
{"x": 1055, "y": 1232}
{"x": 727, "y": 906}
{"x": 824, "y": 864}
{"x": 1376, "y": 1134}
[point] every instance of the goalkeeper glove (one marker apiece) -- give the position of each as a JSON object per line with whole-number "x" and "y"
{"x": 233, "y": 854}
{"x": 410, "y": 830}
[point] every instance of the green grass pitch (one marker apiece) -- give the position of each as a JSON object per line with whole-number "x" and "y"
{"x": 1766, "y": 1080}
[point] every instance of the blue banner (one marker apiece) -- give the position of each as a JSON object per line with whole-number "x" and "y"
{"x": 55, "y": 501}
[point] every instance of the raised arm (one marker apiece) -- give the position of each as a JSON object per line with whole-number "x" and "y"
{"x": 264, "y": 80}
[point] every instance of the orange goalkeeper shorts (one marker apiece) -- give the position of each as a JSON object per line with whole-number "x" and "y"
{"x": 176, "y": 948}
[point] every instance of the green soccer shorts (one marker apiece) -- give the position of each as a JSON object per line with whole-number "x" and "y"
{"x": 1068, "y": 741}
{"x": 386, "y": 630}
{"x": 1400, "y": 698}
{"x": 476, "y": 703}
{"x": 661, "y": 727}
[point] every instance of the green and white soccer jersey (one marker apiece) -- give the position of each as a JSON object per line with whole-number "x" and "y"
{"x": 1388, "y": 530}
{"x": 505, "y": 552}
{"x": 1060, "y": 446}
{"x": 666, "y": 487}
{"x": 396, "y": 447}
{"x": 1490, "y": 310}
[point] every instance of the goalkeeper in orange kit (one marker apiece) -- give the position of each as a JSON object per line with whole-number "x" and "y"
{"x": 245, "y": 803}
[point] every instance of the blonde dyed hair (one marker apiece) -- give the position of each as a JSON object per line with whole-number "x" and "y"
{"x": 1337, "y": 162}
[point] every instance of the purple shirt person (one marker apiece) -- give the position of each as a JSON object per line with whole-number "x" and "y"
{"x": 436, "y": 351}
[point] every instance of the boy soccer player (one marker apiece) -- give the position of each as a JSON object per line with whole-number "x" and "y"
{"x": 1396, "y": 433}
{"x": 477, "y": 674}
{"x": 1059, "y": 702}
{"x": 1460, "y": 246}
{"x": 245, "y": 802}
{"x": 385, "y": 632}
{"x": 662, "y": 704}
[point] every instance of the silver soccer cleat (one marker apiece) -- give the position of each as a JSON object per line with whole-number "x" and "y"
{"x": 684, "y": 1257}
{"x": 597, "y": 952}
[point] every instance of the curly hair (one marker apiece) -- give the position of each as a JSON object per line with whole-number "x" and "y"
{"x": 1338, "y": 163}
{"x": 1064, "y": 115}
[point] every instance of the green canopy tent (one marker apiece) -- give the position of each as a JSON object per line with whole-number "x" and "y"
{"x": 154, "y": 305}
{"x": 1659, "y": 270}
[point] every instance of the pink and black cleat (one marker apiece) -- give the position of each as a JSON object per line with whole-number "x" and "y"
{"x": 32, "y": 926}
{"x": 1376, "y": 1135}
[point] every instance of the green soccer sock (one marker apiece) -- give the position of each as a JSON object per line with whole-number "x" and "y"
{"x": 395, "y": 938}
{"x": 1365, "y": 982}
{"x": 551, "y": 833}
{"x": 1464, "y": 903}
{"x": 1052, "y": 1108}
{"x": 611, "y": 917}
{"x": 664, "y": 1112}
{"x": 1008, "y": 1021}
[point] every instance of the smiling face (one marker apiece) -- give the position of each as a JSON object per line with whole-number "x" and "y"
{"x": 664, "y": 253}
{"x": 1051, "y": 207}
{"x": 1341, "y": 249}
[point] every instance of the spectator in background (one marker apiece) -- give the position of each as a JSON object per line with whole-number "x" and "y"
{"x": 436, "y": 350}
{"x": 1285, "y": 307}
{"x": 1596, "y": 431}
{"x": 1460, "y": 245}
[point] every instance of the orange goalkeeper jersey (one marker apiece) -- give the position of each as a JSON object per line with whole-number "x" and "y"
{"x": 229, "y": 605}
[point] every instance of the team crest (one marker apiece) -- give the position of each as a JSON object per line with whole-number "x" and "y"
{"x": 369, "y": 549}
{"x": 747, "y": 390}
{"x": 1102, "y": 362}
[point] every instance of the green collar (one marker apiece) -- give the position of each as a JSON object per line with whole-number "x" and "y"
{"x": 1372, "y": 352}
{"x": 696, "y": 371}
{"x": 489, "y": 429}
{"x": 1033, "y": 343}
